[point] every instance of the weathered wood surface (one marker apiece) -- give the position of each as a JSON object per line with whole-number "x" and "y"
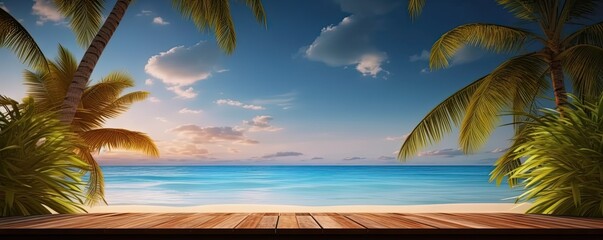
{"x": 292, "y": 225}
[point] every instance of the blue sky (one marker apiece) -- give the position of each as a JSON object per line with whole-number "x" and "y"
{"x": 326, "y": 82}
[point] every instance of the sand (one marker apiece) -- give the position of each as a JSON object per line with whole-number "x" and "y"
{"x": 250, "y": 208}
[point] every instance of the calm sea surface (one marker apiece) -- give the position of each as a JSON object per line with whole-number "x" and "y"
{"x": 302, "y": 185}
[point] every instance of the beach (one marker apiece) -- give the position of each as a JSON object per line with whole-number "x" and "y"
{"x": 251, "y": 208}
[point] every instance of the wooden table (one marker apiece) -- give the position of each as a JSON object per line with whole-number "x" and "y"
{"x": 311, "y": 226}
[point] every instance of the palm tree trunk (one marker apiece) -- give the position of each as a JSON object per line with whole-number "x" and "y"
{"x": 558, "y": 84}
{"x": 89, "y": 60}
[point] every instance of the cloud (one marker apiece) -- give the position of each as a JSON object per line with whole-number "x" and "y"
{"x": 144, "y": 13}
{"x": 348, "y": 43}
{"x": 161, "y": 119}
{"x": 233, "y": 150}
{"x": 446, "y": 152}
{"x": 148, "y": 82}
{"x": 185, "y": 149}
{"x": 499, "y": 150}
{"x": 46, "y": 11}
{"x": 180, "y": 67}
{"x": 317, "y": 158}
{"x": 424, "y": 56}
{"x": 425, "y": 70}
{"x": 385, "y": 158}
{"x": 236, "y": 103}
{"x": 160, "y": 21}
{"x": 261, "y": 124}
{"x": 4, "y": 7}
{"x": 466, "y": 54}
{"x": 154, "y": 100}
{"x": 397, "y": 138}
{"x": 353, "y": 158}
{"x": 200, "y": 135}
{"x": 283, "y": 154}
{"x": 284, "y": 101}
{"x": 189, "y": 111}
{"x": 369, "y": 8}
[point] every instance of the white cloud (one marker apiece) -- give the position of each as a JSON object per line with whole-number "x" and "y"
{"x": 145, "y": 13}
{"x": 4, "y": 7}
{"x": 189, "y": 111}
{"x": 348, "y": 43}
{"x": 353, "y": 158}
{"x": 425, "y": 70}
{"x": 283, "y": 154}
{"x": 370, "y": 64}
{"x": 154, "y": 100}
{"x": 236, "y": 103}
{"x": 46, "y": 11}
{"x": 160, "y": 21}
{"x": 424, "y": 56}
{"x": 385, "y": 158}
{"x": 499, "y": 150}
{"x": 148, "y": 82}
{"x": 180, "y": 67}
{"x": 222, "y": 70}
{"x": 317, "y": 158}
{"x": 184, "y": 149}
{"x": 260, "y": 124}
{"x": 161, "y": 119}
{"x": 397, "y": 138}
{"x": 202, "y": 135}
{"x": 284, "y": 101}
{"x": 466, "y": 54}
{"x": 446, "y": 152}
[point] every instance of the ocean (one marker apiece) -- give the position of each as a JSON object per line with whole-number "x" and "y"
{"x": 302, "y": 185}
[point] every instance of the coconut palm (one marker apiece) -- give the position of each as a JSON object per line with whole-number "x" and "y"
{"x": 86, "y": 18}
{"x": 562, "y": 169}
{"x": 101, "y": 101}
{"x": 518, "y": 82}
{"x": 15, "y": 37}
{"x": 39, "y": 170}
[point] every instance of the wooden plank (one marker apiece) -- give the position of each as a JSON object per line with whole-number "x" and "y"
{"x": 306, "y": 221}
{"x": 514, "y": 221}
{"x": 287, "y": 220}
{"x": 17, "y": 219}
{"x": 16, "y": 222}
{"x": 455, "y": 220}
{"x": 147, "y": 220}
{"x": 88, "y": 222}
{"x": 435, "y": 222}
{"x": 269, "y": 220}
{"x": 387, "y": 220}
{"x": 251, "y": 221}
{"x": 574, "y": 221}
{"x": 335, "y": 221}
{"x": 232, "y": 221}
{"x": 56, "y": 223}
{"x": 491, "y": 220}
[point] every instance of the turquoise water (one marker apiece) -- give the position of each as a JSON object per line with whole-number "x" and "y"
{"x": 302, "y": 185}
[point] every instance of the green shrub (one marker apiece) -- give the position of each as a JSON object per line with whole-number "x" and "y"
{"x": 39, "y": 170}
{"x": 562, "y": 171}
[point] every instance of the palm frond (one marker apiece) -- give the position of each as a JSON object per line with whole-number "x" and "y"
{"x": 576, "y": 10}
{"x": 258, "y": 10}
{"x": 521, "y": 76}
{"x": 583, "y": 64}
{"x": 493, "y": 37}
{"x": 122, "y": 104}
{"x": 16, "y": 38}
{"x": 592, "y": 34}
{"x": 522, "y": 9}
{"x": 103, "y": 93}
{"x": 95, "y": 189}
{"x": 112, "y": 138}
{"x": 415, "y": 7}
{"x": 213, "y": 14}
{"x": 439, "y": 121}
{"x": 85, "y": 18}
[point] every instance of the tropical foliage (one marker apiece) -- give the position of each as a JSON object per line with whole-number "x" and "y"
{"x": 16, "y": 38}
{"x": 101, "y": 101}
{"x": 517, "y": 83}
{"x": 39, "y": 169}
{"x": 563, "y": 160}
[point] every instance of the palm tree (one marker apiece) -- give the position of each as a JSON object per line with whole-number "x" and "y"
{"x": 15, "y": 37}
{"x": 516, "y": 83}
{"x": 86, "y": 17}
{"x": 101, "y": 101}
{"x": 40, "y": 172}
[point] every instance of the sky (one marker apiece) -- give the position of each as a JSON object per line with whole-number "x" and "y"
{"x": 324, "y": 82}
